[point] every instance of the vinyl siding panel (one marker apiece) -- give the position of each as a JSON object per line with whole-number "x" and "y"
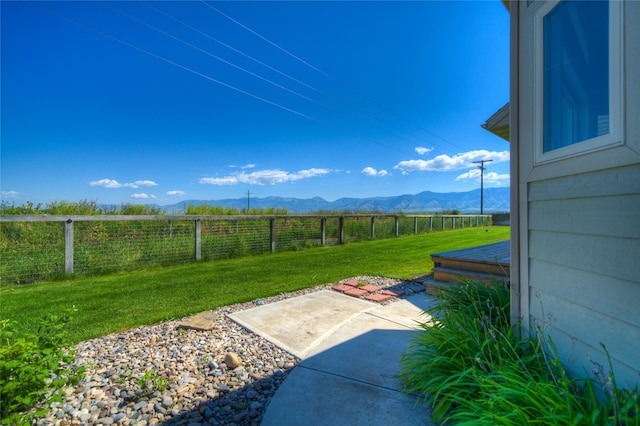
{"x": 618, "y": 258}
{"x": 595, "y": 329}
{"x": 584, "y": 267}
{"x": 602, "y": 183}
{"x": 589, "y": 216}
{"x": 593, "y": 291}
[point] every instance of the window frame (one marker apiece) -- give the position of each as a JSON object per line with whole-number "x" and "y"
{"x": 614, "y": 137}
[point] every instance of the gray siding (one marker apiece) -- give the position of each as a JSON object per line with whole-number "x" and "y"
{"x": 584, "y": 267}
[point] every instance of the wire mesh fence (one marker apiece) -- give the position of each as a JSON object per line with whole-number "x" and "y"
{"x": 31, "y": 251}
{"x": 36, "y": 248}
{"x": 110, "y": 246}
{"x": 224, "y": 239}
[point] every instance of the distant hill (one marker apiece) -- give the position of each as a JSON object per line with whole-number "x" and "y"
{"x": 495, "y": 200}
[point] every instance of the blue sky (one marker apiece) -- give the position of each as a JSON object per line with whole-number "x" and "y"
{"x": 160, "y": 102}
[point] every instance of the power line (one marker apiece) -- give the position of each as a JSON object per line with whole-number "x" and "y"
{"x": 340, "y": 82}
{"x": 229, "y": 86}
{"x": 247, "y": 71}
{"x": 238, "y": 67}
{"x": 289, "y": 76}
{"x": 154, "y": 55}
{"x": 232, "y": 48}
{"x": 210, "y": 54}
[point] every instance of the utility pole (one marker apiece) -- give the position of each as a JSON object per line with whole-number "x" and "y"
{"x": 482, "y": 168}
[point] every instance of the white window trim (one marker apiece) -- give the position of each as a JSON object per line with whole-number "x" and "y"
{"x": 614, "y": 138}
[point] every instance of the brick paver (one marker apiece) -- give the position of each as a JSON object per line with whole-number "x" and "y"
{"x": 371, "y": 288}
{"x": 356, "y": 292}
{"x": 379, "y": 297}
{"x": 394, "y": 293}
{"x": 370, "y": 292}
{"x": 341, "y": 288}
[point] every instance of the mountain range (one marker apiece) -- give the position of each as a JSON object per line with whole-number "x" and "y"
{"x": 495, "y": 200}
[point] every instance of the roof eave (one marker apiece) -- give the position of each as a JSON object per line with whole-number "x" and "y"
{"x": 498, "y": 123}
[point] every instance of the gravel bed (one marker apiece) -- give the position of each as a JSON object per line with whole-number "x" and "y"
{"x": 164, "y": 374}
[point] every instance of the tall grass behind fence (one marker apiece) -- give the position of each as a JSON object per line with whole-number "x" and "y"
{"x": 31, "y": 251}
{"x": 225, "y": 239}
{"x": 37, "y": 247}
{"x": 109, "y": 246}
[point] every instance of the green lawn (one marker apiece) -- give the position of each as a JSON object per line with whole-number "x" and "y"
{"x": 110, "y": 303}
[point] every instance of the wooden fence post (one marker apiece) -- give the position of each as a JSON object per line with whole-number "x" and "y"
{"x": 397, "y": 226}
{"x": 415, "y": 225}
{"x": 323, "y": 231}
{"x": 198, "y": 240}
{"x": 341, "y": 230}
{"x": 272, "y": 234}
{"x": 68, "y": 247}
{"x": 373, "y": 227}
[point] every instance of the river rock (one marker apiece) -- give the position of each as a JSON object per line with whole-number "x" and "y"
{"x": 232, "y": 360}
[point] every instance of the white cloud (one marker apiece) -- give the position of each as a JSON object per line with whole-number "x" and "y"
{"x": 421, "y": 150}
{"x": 9, "y": 194}
{"x": 444, "y": 162}
{"x": 139, "y": 183}
{"x": 229, "y": 180}
{"x": 112, "y": 183}
{"x": 106, "y": 183}
{"x": 246, "y": 166}
{"x": 264, "y": 177}
{"x": 142, "y": 196}
{"x": 177, "y": 193}
{"x": 370, "y": 171}
{"x": 309, "y": 173}
{"x": 491, "y": 177}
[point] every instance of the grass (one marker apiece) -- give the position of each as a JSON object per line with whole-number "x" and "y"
{"x": 472, "y": 367}
{"x": 110, "y": 303}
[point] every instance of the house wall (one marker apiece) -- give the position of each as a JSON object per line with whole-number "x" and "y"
{"x": 578, "y": 272}
{"x": 584, "y": 279}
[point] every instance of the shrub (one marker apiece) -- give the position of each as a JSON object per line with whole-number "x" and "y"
{"x": 32, "y": 368}
{"x": 472, "y": 366}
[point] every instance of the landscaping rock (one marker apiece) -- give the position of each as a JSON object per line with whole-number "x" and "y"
{"x": 220, "y": 374}
{"x": 232, "y": 360}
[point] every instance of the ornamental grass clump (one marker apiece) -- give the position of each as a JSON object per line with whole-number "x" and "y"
{"x": 471, "y": 365}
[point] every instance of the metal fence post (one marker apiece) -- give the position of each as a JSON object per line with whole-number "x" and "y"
{"x": 198, "y": 240}
{"x": 68, "y": 247}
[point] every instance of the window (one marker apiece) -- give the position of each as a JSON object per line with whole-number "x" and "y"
{"x": 578, "y": 77}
